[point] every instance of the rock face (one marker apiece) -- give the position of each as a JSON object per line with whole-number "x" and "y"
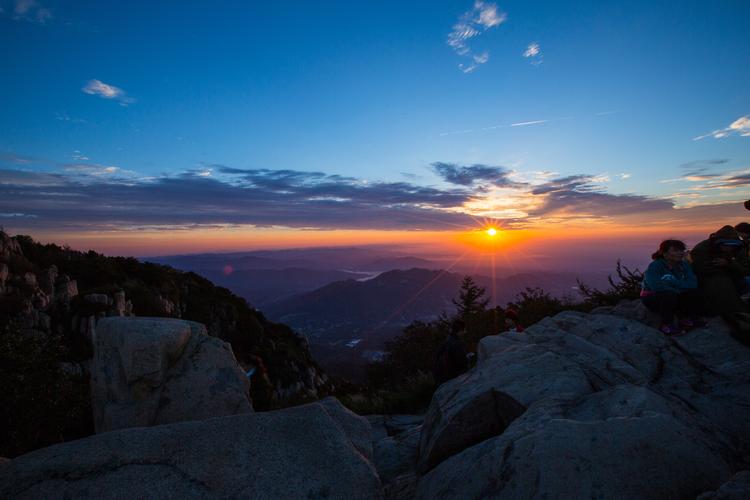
{"x": 396, "y": 445}
{"x": 309, "y": 451}
{"x": 592, "y": 406}
{"x": 152, "y": 371}
{"x": 737, "y": 488}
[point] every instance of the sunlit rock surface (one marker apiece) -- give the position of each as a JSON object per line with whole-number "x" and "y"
{"x": 152, "y": 371}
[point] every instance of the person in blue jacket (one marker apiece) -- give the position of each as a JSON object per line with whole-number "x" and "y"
{"x": 670, "y": 289}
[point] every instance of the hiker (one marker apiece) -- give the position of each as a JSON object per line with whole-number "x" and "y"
{"x": 670, "y": 289}
{"x": 451, "y": 357}
{"x": 511, "y": 319}
{"x": 721, "y": 264}
{"x": 743, "y": 229}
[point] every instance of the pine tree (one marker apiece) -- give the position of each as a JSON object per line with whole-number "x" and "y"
{"x": 470, "y": 299}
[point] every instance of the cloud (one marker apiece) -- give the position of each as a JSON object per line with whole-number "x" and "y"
{"x": 30, "y": 10}
{"x": 534, "y": 53}
{"x": 89, "y": 196}
{"x": 581, "y": 196}
{"x": 255, "y": 197}
{"x": 471, "y": 24}
{"x": 11, "y": 177}
{"x": 64, "y": 117}
{"x": 705, "y": 163}
{"x": 10, "y": 157}
{"x": 106, "y": 91}
{"x": 91, "y": 169}
{"x": 16, "y": 215}
{"x": 474, "y": 175}
{"x": 523, "y": 124}
{"x": 741, "y": 126}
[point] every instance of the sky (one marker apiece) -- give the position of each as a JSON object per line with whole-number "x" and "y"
{"x": 152, "y": 128}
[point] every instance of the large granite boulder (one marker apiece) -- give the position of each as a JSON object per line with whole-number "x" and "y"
{"x": 483, "y": 402}
{"x": 621, "y": 449}
{"x": 591, "y": 405}
{"x": 152, "y": 371}
{"x": 300, "y": 452}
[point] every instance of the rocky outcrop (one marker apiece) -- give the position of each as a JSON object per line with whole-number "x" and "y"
{"x": 737, "y": 488}
{"x": 591, "y": 405}
{"x": 72, "y": 291}
{"x": 469, "y": 409}
{"x": 152, "y": 371}
{"x": 310, "y": 451}
{"x": 396, "y": 445}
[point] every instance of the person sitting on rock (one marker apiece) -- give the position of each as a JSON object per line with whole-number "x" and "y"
{"x": 511, "y": 319}
{"x": 670, "y": 288}
{"x": 743, "y": 229}
{"x": 451, "y": 357}
{"x": 721, "y": 264}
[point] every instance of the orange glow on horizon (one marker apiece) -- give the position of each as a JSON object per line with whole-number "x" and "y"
{"x": 155, "y": 242}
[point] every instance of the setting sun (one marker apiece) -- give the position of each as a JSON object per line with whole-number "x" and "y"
{"x": 491, "y": 231}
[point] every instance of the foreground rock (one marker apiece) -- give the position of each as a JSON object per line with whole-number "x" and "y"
{"x": 396, "y": 445}
{"x": 737, "y": 488}
{"x": 311, "y": 451}
{"x": 591, "y": 406}
{"x": 152, "y": 371}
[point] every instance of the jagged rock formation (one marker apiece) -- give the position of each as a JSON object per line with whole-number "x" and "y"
{"x": 580, "y": 405}
{"x": 46, "y": 289}
{"x": 591, "y": 405}
{"x": 152, "y": 371}
{"x": 319, "y": 450}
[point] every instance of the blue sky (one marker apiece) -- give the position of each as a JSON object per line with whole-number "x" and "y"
{"x": 100, "y": 93}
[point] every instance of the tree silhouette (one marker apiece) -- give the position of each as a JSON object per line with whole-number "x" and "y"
{"x": 470, "y": 299}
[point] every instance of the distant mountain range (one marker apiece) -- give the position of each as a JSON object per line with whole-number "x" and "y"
{"x": 268, "y": 276}
{"x": 347, "y": 322}
{"x": 349, "y": 301}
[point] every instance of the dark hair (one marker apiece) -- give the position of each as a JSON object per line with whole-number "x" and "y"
{"x": 664, "y": 247}
{"x": 457, "y": 326}
{"x": 742, "y": 227}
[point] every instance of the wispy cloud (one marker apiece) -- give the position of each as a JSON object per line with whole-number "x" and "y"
{"x": 65, "y": 117}
{"x": 10, "y": 157}
{"x": 16, "y": 215}
{"x": 741, "y": 126}
{"x": 107, "y": 91}
{"x": 494, "y": 127}
{"x": 523, "y": 124}
{"x": 474, "y": 175}
{"x": 29, "y": 10}
{"x": 700, "y": 170}
{"x": 471, "y": 24}
{"x": 534, "y": 53}
{"x": 91, "y": 169}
